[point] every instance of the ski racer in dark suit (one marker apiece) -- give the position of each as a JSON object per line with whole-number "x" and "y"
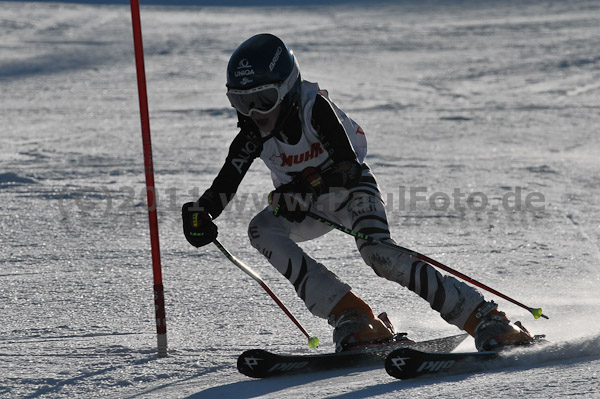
{"x": 316, "y": 155}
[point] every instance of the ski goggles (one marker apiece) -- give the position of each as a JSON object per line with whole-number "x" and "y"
{"x": 265, "y": 98}
{"x": 261, "y": 99}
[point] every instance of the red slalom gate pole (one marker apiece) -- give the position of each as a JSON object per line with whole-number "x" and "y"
{"x": 159, "y": 298}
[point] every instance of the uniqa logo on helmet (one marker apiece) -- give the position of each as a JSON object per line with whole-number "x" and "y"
{"x": 244, "y": 72}
{"x": 275, "y": 58}
{"x": 244, "y": 68}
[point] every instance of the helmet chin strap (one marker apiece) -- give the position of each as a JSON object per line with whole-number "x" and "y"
{"x": 289, "y": 107}
{"x": 283, "y": 117}
{"x": 288, "y": 128}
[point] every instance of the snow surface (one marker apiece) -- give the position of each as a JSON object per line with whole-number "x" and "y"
{"x": 500, "y": 98}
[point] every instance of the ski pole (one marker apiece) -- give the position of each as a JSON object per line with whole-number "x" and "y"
{"x": 536, "y": 312}
{"x": 313, "y": 341}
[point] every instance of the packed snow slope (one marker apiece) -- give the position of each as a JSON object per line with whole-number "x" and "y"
{"x": 482, "y": 119}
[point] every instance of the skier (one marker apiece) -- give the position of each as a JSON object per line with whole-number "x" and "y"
{"x": 316, "y": 155}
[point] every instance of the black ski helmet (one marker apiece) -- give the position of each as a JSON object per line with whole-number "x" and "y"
{"x": 264, "y": 59}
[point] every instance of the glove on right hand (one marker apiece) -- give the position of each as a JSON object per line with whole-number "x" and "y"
{"x": 198, "y": 226}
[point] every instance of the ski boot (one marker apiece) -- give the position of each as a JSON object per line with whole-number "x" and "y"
{"x": 354, "y": 329}
{"x": 493, "y": 331}
{"x": 355, "y": 326}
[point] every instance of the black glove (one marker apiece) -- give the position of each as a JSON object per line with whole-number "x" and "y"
{"x": 293, "y": 200}
{"x": 287, "y": 205}
{"x": 198, "y": 226}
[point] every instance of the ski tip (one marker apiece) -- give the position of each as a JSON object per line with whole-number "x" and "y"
{"x": 251, "y": 362}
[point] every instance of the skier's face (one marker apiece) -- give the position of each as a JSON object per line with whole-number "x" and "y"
{"x": 266, "y": 122}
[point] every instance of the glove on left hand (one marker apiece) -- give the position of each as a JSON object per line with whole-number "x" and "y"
{"x": 293, "y": 200}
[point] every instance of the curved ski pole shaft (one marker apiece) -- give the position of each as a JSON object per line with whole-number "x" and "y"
{"x": 536, "y": 312}
{"x": 312, "y": 341}
{"x": 238, "y": 262}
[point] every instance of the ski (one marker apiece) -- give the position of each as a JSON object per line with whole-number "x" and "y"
{"x": 259, "y": 363}
{"x": 406, "y": 363}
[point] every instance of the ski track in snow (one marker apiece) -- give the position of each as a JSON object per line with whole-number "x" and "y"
{"x": 498, "y": 98}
